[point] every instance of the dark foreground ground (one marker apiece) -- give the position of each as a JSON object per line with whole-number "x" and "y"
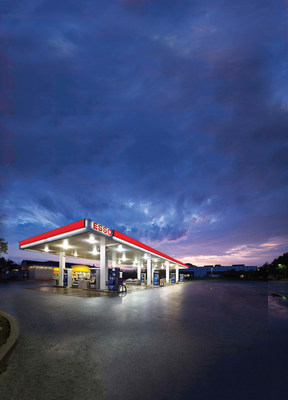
{"x": 199, "y": 340}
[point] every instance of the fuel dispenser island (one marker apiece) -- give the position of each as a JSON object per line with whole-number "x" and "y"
{"x": 115, "y": 280}
{"x": 67, "y": 277}
{"x": 181, "y": 279}
{"x": 156, "y": 278}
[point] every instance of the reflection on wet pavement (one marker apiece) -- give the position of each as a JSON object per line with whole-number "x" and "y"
{"x": 89, "y": 293}
{"x": 201, "y": 340}
{"x": 72, "y": 292}
{"x": 277, "y": 300}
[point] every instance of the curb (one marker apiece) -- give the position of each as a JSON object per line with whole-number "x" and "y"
{"x": 6, "y": 348}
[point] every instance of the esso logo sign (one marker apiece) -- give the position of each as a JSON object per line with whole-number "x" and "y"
{"x": 101, "y": 229}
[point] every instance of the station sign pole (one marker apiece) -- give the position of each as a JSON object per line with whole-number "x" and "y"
{"x": 103, "y": 264}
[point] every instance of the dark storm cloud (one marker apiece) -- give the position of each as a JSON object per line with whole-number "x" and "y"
{"x": 166, "y": 120}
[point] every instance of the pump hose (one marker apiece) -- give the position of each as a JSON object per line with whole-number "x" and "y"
{"x": 122, "y": 289}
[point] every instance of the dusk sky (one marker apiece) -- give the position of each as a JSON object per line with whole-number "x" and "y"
{"x": 164, "y": 119}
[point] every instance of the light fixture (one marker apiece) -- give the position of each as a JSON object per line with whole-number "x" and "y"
{"x": 145, "y": 256}
{"x": 46, "y": 248}
{"x": 95, "y": 252}
{"x": 92, "y": 239}
{"x": 75, "y": 253}
{"x": 124, "y": 257}
{"x": 65, "y": 244}
{"x": 120, "y": 248}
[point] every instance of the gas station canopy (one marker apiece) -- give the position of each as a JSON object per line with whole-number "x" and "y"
{"x": 82, "y": 239}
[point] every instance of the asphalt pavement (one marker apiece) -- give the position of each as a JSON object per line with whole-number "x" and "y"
{"x": 200, "y": 340}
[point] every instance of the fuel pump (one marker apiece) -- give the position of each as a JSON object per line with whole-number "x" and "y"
{"x": 113, "y": 279}
{"x": 156, "y": 278}
{"x": 67, "y": 277}
{"x": 93, "y": 280}
{"x": 173, "y": 277}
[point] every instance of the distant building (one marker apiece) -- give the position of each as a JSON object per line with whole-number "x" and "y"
{"x": 39, "y": 272}
{"x": 42, "y": 270}
{"x": 216, "y": 270}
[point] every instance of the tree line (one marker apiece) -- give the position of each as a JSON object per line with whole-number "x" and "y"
{"x": 277, "y": 269}
{"x": 6, "y": 266}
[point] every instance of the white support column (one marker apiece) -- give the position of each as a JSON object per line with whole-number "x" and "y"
{"x": 61, "y": 268}
{"x": 177, "y": 274}
{"x": 152, "y": 274}
{"x": 103, "y": 264}
{"x": 149, "y": 267}
{"x": 139, "y": 271}
{"x": 167, "y": 272}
